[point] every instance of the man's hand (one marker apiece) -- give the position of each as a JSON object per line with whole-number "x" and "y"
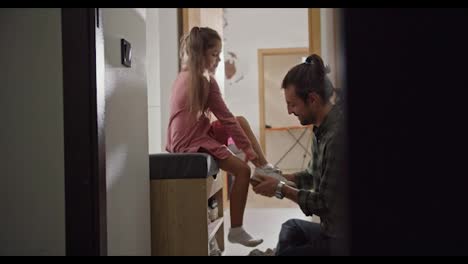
{"x": 254, "y": 182}
{"x": 266, "y": 186}
{"x": 290, "y": 177}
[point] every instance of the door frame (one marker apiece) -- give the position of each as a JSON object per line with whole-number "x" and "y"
{"x": 261, "y": 82}
{"x": 84, "y": 137}
{"x": 315, "y": 39}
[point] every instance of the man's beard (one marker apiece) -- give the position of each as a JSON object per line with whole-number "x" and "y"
{"x": 307, "y": 121}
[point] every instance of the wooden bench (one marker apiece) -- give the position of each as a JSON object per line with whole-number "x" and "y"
{"x": 181, "y": 185}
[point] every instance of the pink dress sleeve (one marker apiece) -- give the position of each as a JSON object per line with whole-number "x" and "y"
{"x": 218, "y": 107}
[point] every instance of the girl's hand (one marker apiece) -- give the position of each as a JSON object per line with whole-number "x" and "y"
{"x": 250, "y": 155}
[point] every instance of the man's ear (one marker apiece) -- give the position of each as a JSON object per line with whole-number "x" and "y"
{"x": 312, "y": 97}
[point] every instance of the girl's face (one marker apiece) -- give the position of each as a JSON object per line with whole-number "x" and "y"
{"x": 212, "y": 57}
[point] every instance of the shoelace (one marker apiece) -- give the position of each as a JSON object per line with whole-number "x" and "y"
{"x": 276, "y": 169}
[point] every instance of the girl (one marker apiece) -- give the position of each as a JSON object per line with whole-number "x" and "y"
{"x": 195, "y": 96}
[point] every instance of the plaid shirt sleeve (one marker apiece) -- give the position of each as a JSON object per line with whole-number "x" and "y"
{"x": 304, "y": 179}
{"x": 325, "y": 195}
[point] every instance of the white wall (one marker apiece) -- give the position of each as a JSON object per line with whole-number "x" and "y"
{"x": 169, "y": 61}
{"x": 248, "y": 30}
{"x": 32, "y": 191}
{"x": 153, "y": 74}
{"x": 162, "y": 50}
{"x": 128, "y": 204}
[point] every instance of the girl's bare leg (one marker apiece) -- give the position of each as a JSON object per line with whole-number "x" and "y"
{"x": 241, "y": 172}
{"x": 261, "y": 160}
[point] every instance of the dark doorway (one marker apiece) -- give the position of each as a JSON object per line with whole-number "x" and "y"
{"x": 405, "y": 83}
{"x": 85, "y": 174}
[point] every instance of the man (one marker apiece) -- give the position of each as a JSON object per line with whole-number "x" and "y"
{"x": 321, "y": 187}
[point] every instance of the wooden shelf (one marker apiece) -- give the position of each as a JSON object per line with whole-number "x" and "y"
{"x": 214, "y": 226}
{"x": 213, "y": 185}
{"x": 179, "y": 216}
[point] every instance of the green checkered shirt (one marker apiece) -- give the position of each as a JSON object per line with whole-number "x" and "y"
{"x": 321, "y": 185}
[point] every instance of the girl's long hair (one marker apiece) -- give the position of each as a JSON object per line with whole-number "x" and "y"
{"x": 193, "y": 55}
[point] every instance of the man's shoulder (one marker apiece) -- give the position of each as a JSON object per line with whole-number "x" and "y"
{"x": 336, "y": 135}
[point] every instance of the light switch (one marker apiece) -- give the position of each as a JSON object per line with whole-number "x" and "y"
{"x": 126, "y": 50}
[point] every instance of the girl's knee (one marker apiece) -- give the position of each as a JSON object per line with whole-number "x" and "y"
{"x": 241, "y": 120}
{"x": 246, "y": 170}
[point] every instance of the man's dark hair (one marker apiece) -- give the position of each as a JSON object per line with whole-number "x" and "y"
{"x": 310, "y": 76}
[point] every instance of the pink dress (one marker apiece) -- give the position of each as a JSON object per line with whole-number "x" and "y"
{"x": 187, "y": 135}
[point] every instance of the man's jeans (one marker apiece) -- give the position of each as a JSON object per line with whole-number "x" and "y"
{"x": 302, "y": 238}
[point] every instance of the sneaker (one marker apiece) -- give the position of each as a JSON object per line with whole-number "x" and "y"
{"x": 216, "y": 252}
{"x": 270, "y": 252}
{"x": 270, "y": 170}
{"x": 258, "y": 252}
{"x": 270, "y": 166}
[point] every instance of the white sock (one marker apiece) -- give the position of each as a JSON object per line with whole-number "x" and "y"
{"x": 239, "y": 235}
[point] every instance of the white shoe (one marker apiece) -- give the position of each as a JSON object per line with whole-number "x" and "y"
{"x": 270, "y": 170}
{"x": 257, "y": 252}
